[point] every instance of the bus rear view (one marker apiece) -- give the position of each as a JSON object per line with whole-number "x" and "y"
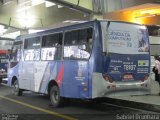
{"x": 126, "y": 60}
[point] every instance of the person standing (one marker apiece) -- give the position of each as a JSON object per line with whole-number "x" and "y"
{"x": 157, "y": 70}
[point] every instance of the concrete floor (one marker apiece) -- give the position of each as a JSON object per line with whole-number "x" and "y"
{"x": 33, "y": 106}
{"x": 152, "y": 100}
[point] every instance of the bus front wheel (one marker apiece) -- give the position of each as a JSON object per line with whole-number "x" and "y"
{"x": 55, "y": 98}
{"x": 17, "y": 91}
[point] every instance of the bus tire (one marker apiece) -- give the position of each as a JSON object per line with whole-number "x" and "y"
{"x": 55, "y": 98}
{"x": 17, "y": 91}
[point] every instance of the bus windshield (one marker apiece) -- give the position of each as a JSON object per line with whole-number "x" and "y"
{"x": 124, "y": 38}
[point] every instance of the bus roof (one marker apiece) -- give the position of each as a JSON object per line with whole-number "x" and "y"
{"x": 68, "y": 27}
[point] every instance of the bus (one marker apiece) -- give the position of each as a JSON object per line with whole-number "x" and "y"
{"x": 3, "y": 64}
{"x": 5, "y": 45}
{"x": 88, "y": 60}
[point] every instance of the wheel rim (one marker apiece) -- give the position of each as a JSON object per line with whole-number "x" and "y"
{"x": 55, "y": 96}
{"x": 16, "y": 87}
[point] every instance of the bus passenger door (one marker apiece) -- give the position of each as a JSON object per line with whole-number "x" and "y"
{"x": 27, "y": 69}
{"x": 40, "y": 69}
{"x": 31, "y": 55}
{"x": 26, "y": 74}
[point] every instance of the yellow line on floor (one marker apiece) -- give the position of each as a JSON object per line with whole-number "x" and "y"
{"x": 39, "y": 109}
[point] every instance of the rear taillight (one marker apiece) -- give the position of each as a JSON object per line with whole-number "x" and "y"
{"x": 107, "y": 78}
{"x": 145, "y": 78}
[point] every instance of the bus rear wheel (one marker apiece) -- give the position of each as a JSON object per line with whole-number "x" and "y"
{"x": 17, "y": 91}
{"x": 55, "y": 98}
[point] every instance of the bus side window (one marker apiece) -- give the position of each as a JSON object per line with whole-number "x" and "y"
{"x": 32, "y": 49}
{"x": 85, "y": 38}
{"x": 52, "y": 47}
{"x": 71, "y": 45}
{"x": 89, "y": 38}
{"x": 77, "y": 44}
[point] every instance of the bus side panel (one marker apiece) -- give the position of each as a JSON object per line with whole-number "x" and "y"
{"x": 42, "y": 76}
{"x": 52, "y": 71}
{"x": 75, "y": 83}
{"x": 40, "y": 70}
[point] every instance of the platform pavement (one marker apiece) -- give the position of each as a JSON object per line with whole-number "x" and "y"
{"x": 147, "y": 102}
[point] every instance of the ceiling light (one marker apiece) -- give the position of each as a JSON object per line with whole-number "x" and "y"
{"x": 151, "y": 11}
{"x": 147, "y": 11}
{"x": 34, "y": 31}
{"x": 73, "y": 21}
{"x": 26, "y": 22}
{"x": 59, "y": 6}
{"x": 145, "y": 16}
{"x": 37, "y": 2}
{"x": 49, "y": 4}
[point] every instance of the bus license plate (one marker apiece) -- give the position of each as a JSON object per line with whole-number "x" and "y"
{"x": 128, "y": 77}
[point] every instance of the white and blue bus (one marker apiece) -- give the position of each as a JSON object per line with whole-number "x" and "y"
{"x": 88, "y": 60}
